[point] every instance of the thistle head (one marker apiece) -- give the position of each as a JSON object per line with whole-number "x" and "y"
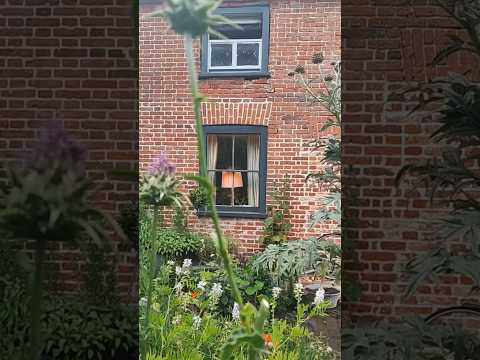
{"x": 194, "y": 17}
{"x": 56, "y": 148}
{"x": 160, "y": 166}
{"x": 300, "y": 69}
{"x": 317, "y": 58}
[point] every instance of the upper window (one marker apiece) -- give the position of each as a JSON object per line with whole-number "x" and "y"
{"x": 236, "y": 162}
{"x": 240, "y": 52}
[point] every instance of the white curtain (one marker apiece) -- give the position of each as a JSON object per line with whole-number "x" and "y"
{"x": 212, "y": 151}
{"x": 253, "y": 155}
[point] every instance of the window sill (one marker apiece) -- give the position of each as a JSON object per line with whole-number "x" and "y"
{"x": 232, "y": 214}
{"x": 251, "y": 75}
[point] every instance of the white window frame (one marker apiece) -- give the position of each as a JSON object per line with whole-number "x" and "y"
{"x": 234, "y": 43}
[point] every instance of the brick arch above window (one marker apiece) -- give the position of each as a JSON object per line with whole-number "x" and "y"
{"x": 236, "y": 112}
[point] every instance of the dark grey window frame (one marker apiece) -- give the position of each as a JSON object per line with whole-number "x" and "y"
{"x": 264, "y": 10}
{"x": 244, "y": 212}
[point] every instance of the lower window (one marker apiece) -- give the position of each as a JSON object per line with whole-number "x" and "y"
{"x": 236, "y": 163}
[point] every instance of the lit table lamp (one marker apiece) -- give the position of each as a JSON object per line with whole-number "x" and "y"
{"x": 231, "y": 179}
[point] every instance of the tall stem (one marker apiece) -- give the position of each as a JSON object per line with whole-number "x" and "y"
{"x": 197, "y": 99}
{"x": 153, "y": 268}
{"x": 36, "y": 301}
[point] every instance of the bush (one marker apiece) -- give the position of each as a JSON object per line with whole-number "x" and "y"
{"x": 174, "y": 244}
{"x": 72, "y": 329}
{"x": 76, "y": 330}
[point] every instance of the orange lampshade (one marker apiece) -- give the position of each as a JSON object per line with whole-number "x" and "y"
{"x": 231, "y": 179}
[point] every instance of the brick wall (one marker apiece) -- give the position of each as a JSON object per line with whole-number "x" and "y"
{"x": 72, "y": 60}
{"x": 298, "y": 29}
{"x": 386, "y": 45}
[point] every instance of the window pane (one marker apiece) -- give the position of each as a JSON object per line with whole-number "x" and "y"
{"x": 251, "y": 28}
{"x": 241, "y": 153}
{"x": 212, "y": 152}
{"x": 253, "y": 188}
{"x": 241, "y": 192}
{"x": 224, "y": 154}
{"x": 223, "y": 194}
{"x": 221, "y": 55}
{"x": 247, "y": 54}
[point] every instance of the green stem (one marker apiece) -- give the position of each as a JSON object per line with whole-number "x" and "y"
{"x": 36, "y": 301}
{"x": 197, "y": 99}
{"x": 153, "y": 268}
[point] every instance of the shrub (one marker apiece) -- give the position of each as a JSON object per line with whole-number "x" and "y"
{"x": 276, "y": 226}
{"x": 198, "y": 198}
{"x": 174, "y": 244}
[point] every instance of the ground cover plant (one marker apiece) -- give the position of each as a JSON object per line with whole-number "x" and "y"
{"x": 183, "y": 312}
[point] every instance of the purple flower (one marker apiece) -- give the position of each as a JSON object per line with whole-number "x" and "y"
{"x": 56, "y": 146}
{"x": 160, "y": 166}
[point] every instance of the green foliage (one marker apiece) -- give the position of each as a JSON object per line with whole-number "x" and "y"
{"x": 184, "y": 327}
{"x": 411, "y": 338}
{"x": 276, "y": 225}
{"x": 77, "y": 330}
{"x": 71, "y": 329}
{"x": 160, "y": 191}
{"x": 286, "y": 262}
{"x": 198, "y": 197}
{"x": 454, "y": 101}
{"x": 129, "y": 220}
{"x": 99, "y": 284}
{"x": 173, "y": 244}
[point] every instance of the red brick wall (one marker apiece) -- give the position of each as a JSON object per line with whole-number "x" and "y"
{"x": 298, "y": 29}
{"x": 72, "y": 60}
{"x": 385, "y": 45}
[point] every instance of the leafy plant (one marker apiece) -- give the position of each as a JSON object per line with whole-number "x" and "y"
{"x": 129, "y": 220}
{"x": 47, "y": 201}
{"x": 287, "y": 261}
{"x": 99, "y": 280}
{"x": 198, "y": 198}
{"x": 276, "y": 225}
{"x": 173, "y": 244}
{"x": 454, "y": 101}
{"x": 77, "y": 330}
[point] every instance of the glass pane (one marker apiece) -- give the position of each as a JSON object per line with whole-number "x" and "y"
{"x": 221, "y": 55}
{"x": 212, "y": 152}
{"x": 223, "y": 194}
{"x": 240, "y": 154}
{"x": 224, "y": 154}
{"x": 241, "y": 192}
{"x": 247, "y": 54}
{"x": 253, "y": 188}
{"x": 251, "y": 28}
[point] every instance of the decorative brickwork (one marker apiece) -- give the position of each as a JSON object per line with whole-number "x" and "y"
{"x": 72, "y": 60}
{"x": 298, "y": 29}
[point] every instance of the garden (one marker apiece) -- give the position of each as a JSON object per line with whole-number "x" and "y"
{"x": 198, "y": 298}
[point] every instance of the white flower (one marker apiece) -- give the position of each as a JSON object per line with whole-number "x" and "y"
{"x": 298, "y": 292}
{"x": 178, "y": 287}
{"x": 217, "y": 290}
{"x": 236, "y": 312}
{"x": 176, "y": 320}
{"x": 197, "y": 321}
{"x": 178, "y": 270}
{"x": 319, "y": 296}
{"x": 170, "y": 263}
{"x": 201, "y": 285}
{"x": 187, "y": 263}
{"x": 142, "y": 301}
{"x": 276, "y": 292}
{"x": 214, "y": 296}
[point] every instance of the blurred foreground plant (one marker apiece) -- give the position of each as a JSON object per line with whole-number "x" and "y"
{"x": 46, "y": 200}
